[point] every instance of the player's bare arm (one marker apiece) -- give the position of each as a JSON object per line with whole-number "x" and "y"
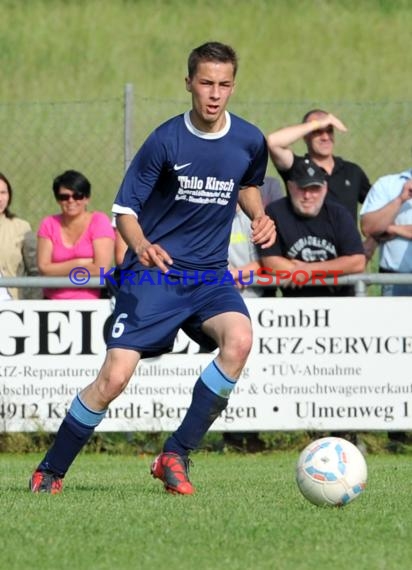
{"x": 263, "y": 227}
{"x": 263, "y": 231}
{"x": 150, "y": 255}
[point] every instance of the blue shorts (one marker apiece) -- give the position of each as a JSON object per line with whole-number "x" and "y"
{"x": 148, "y": 316}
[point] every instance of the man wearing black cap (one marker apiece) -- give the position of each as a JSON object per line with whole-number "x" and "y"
{"x": 313, "y": 234}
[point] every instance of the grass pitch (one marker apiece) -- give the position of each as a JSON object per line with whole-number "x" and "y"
{"x": 247, "y": 514}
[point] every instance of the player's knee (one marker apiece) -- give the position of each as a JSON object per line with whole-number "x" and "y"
{"x": 238, "y": 347}
{"x": 111, "y": 384}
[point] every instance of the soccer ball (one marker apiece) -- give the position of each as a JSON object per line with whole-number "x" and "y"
{"x": 331, "y": 471}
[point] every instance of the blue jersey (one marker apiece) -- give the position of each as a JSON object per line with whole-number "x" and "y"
{"x": 183, "y": 187}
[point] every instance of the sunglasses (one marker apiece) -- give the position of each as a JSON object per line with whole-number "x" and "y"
{"x": 66, "y": 197}
{"x": 328, "y": 130}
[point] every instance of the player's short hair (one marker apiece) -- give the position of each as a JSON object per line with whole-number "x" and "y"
{"x": 211, "y": 51}
{"x": 311, "y": 112}
{"x": 72, "y": 180}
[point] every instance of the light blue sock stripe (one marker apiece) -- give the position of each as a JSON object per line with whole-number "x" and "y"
{"x": 80, "y": 412}
{"x": 216, "y": 380}
{"x": 228, "y": 378}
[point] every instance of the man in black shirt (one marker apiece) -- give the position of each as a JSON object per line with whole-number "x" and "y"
{"x": 347, "y": 182}
{"x": 315, "y": 235}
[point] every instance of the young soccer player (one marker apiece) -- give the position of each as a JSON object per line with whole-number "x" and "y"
{"x": 174, "y": 210}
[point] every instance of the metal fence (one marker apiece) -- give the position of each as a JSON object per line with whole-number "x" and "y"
{"x": 100, "y": 137}
{"x": 41, "y": 140}
{"x": 360, "y": 281}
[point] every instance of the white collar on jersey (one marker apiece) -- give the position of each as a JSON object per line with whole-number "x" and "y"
{"x": 190, "y": 127}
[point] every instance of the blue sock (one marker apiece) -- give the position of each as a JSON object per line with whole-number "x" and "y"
{"x": 210, "y": 397}
{"x": 74, "y": 432}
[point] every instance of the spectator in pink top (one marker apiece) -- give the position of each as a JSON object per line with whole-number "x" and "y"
{"x": 74, "y": 238}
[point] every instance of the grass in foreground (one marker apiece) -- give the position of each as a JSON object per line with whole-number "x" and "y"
{"x": 247, "y": 514}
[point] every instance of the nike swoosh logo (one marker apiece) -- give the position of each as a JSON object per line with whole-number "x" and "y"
{"x": 180, "y": 166}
